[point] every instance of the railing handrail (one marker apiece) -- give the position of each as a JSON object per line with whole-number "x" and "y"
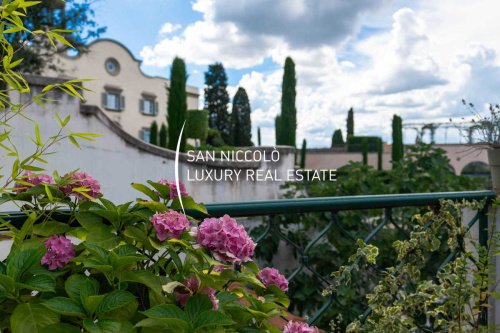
{"x": 338, "y": 203}
{"x": 319, "y": 204}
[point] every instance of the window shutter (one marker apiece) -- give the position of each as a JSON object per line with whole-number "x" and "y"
{"x": 141, "y": 105}
{"x": 156, "y": 109}
{"x": 122, "y": 102}
{"x": 104, "y": 99}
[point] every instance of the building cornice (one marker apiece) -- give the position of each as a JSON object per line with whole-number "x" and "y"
{"x": 190, "y": 90}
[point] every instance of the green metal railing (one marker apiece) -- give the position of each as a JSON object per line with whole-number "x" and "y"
{"x": 272, "y": 209}
{"x": 335, "y": 205}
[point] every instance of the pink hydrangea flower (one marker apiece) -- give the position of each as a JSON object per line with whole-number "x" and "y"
{"x": 59, "y": 252}
{"x": 34, "y": 179}
{"x": 269, "y": 276}
{"x": 226, "y": 239}
{"x": 82, "y": 179}
{"x": 173, "y": 188}
{"x": 193, "y": 284}
{"x": 169, "y": 224}
{"x": 298, "y": 327}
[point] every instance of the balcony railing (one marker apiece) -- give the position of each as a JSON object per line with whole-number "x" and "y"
{"x": 335, "y": 207}
{"x": 272, "y": 209}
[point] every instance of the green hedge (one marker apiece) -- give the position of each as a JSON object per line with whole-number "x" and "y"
{"x": 197, "y": 124}
{"x": 355, "y": 143}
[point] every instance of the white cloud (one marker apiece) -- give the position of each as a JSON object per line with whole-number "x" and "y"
{"x": 169, "y": 28}
{"x": 299, "y": 22}
{"x": 417, "y": 62}
{"x": 205, "y": 42}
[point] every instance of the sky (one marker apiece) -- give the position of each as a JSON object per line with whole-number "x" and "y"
{"x": 416, "y": 59}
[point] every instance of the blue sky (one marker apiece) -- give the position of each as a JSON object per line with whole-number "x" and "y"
{"x": 385, "y": 57}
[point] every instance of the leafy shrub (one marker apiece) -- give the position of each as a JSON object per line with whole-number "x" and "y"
{"x": 79, "y": 262}
{"x": 406, "y": 299}
{"x": 197, "y": 124}
{"x": 355, "y": 143}
{"x": 214, "y": 138}
{"x": 423, "y": 169}
{"x": 140, "y": 266}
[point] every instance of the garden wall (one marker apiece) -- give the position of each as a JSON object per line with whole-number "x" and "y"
{"x": 118, "y": 159}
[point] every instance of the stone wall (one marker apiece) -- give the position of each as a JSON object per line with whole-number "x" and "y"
{"x": 118, "y": 158}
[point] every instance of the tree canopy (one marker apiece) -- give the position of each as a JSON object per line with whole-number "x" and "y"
{"x": 177, "y": 104}
{"x": 286, "y": 122}
{"x": 217, "y": 99}
{"x": 241, "y": 122}
{"x": 337, "y": 138}
{"x": 72, "y": 18}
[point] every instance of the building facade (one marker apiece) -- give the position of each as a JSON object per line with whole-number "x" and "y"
{"x": 129, "y": 97}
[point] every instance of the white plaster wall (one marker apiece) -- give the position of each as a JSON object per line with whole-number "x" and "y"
{"x": 116, "y": 163}
{"x": 459, "y": 155}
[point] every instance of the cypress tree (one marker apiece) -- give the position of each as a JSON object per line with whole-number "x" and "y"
{"x": 216, "y": 100}
{"x": 350, "y": 123}
{"x": 278, "y": 130}
{"x": 397, "y": 139}
{"x": 380, "y": 148}
{"x": 337, "y": 138}
{"x": 365, "y": 151}
{"x": 153, "y": 133}
{"x": 163, "y": 135}
{"x": 177, "y": 104}
{"x": 303, "y": 154}
{"x": 241, "y": 122}
{"x": 258, "y": 137}
{"x": 288, "y": 117}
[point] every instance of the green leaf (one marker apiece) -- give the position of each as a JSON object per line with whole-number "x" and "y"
{"x": 280, "y": 296}
{"x": 138, "y": 235}
{"x": 90, "y": 303}
{"x": 89, "y": 287}
{"x": 49, "y": 193}
{"x": 61, "y": 39}
{"x": 126, "y": 251}
{"x": 60, "y": 328}
{"x": 197, "y": 304}
{"x": 166, "y": 311}
{"x": 103, "y": 236}
{"x": 41, "y": 282}
{"x": 79, "y": 286}
{"x": 6, "y": 282}
{"x": 26, "y": 228}
{"x": 65, "y": 306}
{"x": 146, "y": 278}
{"x": 32, "y": 168}
{"x": 211, "y": 318}
{"x": 146, "y": 190}
{"x": 50, "y": 228}
{"x": 164, "y": 190}
{"x": 123, "y": 313}
{"x": 31, "y": 318}
{"x": 176, "y": 259}
{"x": 23, "y": 258}
{"x": 165, "y": 324}
{"x": 37, "y": 135}
{"x": 98, "y": 251}
{"x": 115, "y": 300}
{"x": 188, "y": 203}
{"x": 73, "y": 141}
{"x": 88, "y": 220}
{"x": 121, "y": 263}
{"x": 153, "y": 205}
{"x": 108, "y": 326}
